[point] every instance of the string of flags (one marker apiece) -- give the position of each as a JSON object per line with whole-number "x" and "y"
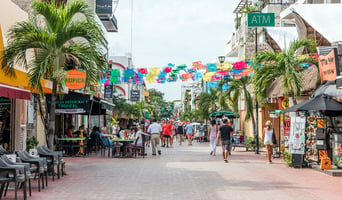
{"x": 211, "y": 72}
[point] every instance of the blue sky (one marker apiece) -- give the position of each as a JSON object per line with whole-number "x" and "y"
{"x": 173, "y": 31}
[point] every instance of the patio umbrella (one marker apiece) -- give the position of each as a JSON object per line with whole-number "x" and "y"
{"x": 221, "y": 114}
{"x": 320, "y": 102}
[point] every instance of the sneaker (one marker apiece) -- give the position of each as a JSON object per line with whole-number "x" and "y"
{"x": 226, "y": 161}
{"x": 159, "y": 152}
{"x": 214, "y": 154}
{"x": 167, "y": 146}
{"x": 211, "y": 153}
{"x": 154, "y": 154}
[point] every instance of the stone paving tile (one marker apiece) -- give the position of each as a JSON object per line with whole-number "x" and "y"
{"x": 186, "y": 172}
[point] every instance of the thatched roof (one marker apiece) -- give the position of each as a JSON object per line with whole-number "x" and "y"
{"x": 310, "y": 83}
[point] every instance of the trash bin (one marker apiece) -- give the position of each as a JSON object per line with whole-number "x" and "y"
{"x": 337, "y": 150}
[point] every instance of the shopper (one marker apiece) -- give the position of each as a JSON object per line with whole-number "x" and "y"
{"x": 212, "y": 134}
{"x": 224, "y": 133}
{"x": 166, "y": 133}
{"x": 180, "y": 132}
{"x": 189, "y": 132}
{"x": 267, "y": 137}
{"x": 173, "y": 133}
{"x": 155, "y": 130}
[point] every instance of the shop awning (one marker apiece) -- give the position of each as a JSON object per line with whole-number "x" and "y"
{"x": 14, "y": 93}
{"x": 106, "y": 105}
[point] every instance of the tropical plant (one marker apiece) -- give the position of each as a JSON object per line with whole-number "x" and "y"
{"x": 140, "y": 108}
{"x": 190, "y": 116}
{"x": 58, "y": 33}
{"x": 284, "y": 65}
{"x": 238, "y": 89}
{"x": 208, "y": 101}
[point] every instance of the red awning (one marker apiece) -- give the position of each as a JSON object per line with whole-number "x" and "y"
{"x": 14, "y": 93}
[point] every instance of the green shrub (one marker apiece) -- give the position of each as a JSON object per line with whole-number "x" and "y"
{"x": 287, "y": 157}
{"x": 31, "y": 143}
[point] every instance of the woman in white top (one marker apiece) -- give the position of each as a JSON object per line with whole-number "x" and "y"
{"x": 212, "y": 133}
{"x": 267, "y": 138}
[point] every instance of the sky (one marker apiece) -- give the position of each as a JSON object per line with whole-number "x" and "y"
{"x": 172, "y": 31}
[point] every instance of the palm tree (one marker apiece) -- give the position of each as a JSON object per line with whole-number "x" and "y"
{"x": 238, "y": 89}
{"x": 140, "y": 107}
{"x": 56, "y": 35}
{"x": 208, "y": 101}
{"x": 284, "y": 65}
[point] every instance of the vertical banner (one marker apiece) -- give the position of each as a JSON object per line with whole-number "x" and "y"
{"x": 297, "y": 135}
{"x": 135, "y": 95}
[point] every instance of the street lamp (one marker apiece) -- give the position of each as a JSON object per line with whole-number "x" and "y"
{"x": 221, "y": 59}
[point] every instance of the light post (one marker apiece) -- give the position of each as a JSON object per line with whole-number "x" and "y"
{"x": 221, "y": 60}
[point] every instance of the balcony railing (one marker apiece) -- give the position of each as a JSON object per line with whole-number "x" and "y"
{"x": 276, "y": 2}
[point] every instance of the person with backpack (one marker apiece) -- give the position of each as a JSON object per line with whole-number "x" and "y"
{"x": 224, "y": 133}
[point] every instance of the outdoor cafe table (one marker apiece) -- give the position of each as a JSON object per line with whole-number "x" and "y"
{"x": 69, "y": 142}
{"x": 121, "y": 140}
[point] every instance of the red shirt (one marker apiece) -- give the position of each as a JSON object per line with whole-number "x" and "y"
{"x": 166, "y": 129}
{"x": 69, "y": 133}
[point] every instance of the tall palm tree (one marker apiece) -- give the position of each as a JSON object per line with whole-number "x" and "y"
{"x": 208, "y": 102}
{"x": 57, "y": 33}
{"x": 238, "y": 89}
{"x": 284, "y": 65}
{"x": 140, "y": 107}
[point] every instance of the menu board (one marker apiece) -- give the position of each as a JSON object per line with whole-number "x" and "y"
{"x": 4, "y": 104}
{"x": 297, "y": 135}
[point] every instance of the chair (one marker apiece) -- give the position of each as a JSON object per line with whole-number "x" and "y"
{"x": 45, "y": 166}
{"x": 3, "y": 151}
{"x": 26, "y": 165}
{"x": 36, "y": 166}
{"x": 52, "y": 161}
{"x": 106, "y": 143}
{"x": 12, "y": 173}
{"x": 138, "y": 148}
{"x": 60, "y": 157}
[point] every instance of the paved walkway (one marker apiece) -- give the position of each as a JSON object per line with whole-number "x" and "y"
{"x": 187, "y": 172}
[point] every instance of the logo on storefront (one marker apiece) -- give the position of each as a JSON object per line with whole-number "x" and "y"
{"x": 75, "y": 79}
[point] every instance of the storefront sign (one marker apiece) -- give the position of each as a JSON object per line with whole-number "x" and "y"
{"x": 108, "y": 91}
{"x": 135, "y": 95}
{"x": 328, "y": 66}
{"x": 75, "y": 79}
{"x": 71, "y": 103}
{"x": 321, "y": 122}
{"x": 104, "y": 6}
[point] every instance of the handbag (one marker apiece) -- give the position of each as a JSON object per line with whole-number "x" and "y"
{"x": 274, "y": 140}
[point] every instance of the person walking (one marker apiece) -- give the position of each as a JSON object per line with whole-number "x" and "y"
{"x": 166, "y": 133}
{"x": 189, "y": 132}
{"x": 267, "y": 137}
{"x": 212, "y": 134}
{"x": 224, "y": 133}
{"x": 155, "y": 129}
{"x": 173, "y": 133}
{"x": 180, "y": 132}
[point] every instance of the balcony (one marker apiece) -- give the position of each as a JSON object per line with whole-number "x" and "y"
{"x": 265, "y": 3}
{"x": 104, "y": 10}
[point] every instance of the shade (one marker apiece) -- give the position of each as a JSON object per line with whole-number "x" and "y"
{"x": 319, "y": 103}
{"x": 14, "y": 93}
{"x": 221, "y": 114}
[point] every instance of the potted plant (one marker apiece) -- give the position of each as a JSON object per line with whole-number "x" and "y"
{"x": 31, "y": 144}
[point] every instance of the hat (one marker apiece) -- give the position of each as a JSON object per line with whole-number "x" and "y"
{"x": 268, "y": 123}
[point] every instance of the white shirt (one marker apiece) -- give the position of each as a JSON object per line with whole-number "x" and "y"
{"x": 154, "y": 128}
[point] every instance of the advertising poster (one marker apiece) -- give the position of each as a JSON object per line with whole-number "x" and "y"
{"x": 287, "y": 125}
{"x": 297, "y": 135}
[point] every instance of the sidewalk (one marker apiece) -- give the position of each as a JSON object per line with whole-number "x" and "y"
{"x": 188, "y": 172}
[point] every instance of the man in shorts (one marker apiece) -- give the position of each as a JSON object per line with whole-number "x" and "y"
{"x": 224, "y": 133}
{"x": 166, "y": 133}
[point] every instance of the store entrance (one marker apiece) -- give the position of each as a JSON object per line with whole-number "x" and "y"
{"x": 5, "y": 122}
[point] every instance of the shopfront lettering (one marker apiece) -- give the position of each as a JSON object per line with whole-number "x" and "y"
{"x": 327, "y": 66}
